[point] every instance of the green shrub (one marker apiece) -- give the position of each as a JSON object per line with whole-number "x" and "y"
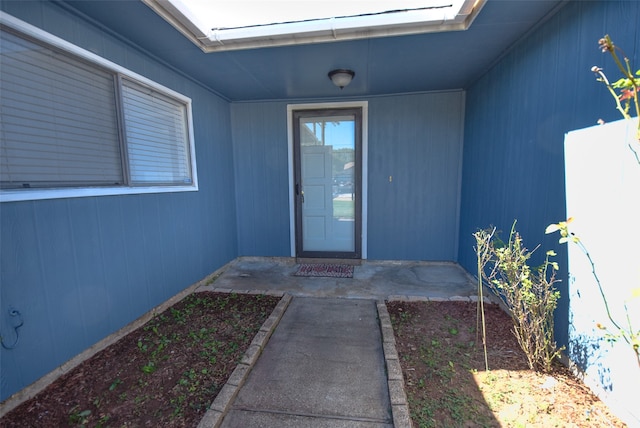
{"x": 529, "y": 294}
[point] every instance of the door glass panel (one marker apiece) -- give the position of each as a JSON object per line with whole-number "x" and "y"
{"x": 327, "y": 167}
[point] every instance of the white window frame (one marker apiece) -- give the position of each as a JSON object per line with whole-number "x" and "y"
{"x": 10, "y": 195}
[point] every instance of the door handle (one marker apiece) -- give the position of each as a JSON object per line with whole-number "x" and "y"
{"x": 299, "y": 192}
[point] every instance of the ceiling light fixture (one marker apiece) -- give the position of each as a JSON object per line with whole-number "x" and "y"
{"x": 341, "y": 77}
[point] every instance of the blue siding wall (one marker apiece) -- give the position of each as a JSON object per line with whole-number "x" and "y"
{"x": 262, "y": 180}
{"x": 79, "y": 269}
{"x": 416, "y": 139}
{"x": 516, "y": 118}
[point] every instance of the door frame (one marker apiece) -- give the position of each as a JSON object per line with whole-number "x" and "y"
{"x": 364, "y": 189}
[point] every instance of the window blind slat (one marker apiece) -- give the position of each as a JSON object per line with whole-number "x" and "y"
{"x": 59, "y": 123}
{"x": 156, "y": 136}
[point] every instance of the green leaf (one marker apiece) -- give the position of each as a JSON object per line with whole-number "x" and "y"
{"x": 149, "y": 368}
{"x": 115, "y": 384}
{"x": 551, "y": 253}
{"x": 621, "y": 83}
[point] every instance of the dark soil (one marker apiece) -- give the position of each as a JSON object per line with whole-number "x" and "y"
{"x": 166, "y": 373}
{"x": 448, "y": 386}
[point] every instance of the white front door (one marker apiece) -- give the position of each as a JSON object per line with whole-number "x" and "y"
{"x": 328, "y": 167}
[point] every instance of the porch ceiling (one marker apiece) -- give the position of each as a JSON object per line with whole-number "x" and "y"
{"x": 400, "y": 64}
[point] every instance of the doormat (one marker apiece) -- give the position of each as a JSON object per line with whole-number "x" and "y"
{"x": 326, "y": 270}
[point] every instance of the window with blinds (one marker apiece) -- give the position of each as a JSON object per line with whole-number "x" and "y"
{"x": 156, "y": 136}
{"x": 66, "y": 122}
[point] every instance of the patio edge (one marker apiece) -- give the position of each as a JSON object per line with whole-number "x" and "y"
{"x": 395, "y": 379}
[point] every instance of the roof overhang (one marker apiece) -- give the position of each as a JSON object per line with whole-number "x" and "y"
{"x": 452, "y": 15}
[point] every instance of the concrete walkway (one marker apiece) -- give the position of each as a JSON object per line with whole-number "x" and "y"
{"x": 323, "y": 367}
{"x": 326, "y": 356}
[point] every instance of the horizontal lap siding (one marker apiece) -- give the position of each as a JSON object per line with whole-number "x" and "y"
{"x": 79, "y": 269}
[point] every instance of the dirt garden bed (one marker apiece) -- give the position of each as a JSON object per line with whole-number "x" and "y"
{"x": 447, "y": 385}
{"x": 164, "y": 374}
{"x": 167, "y": 372}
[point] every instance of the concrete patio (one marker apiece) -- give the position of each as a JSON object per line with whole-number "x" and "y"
{"x": 379, "y": 280}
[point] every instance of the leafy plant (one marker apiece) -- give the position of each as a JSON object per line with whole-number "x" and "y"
{"x": 529, "y": 294}
{"x": 624, "y": 330}
{"x": 627, "y": 85}
{"x": 77, "y": 417}
{"x": 115, "y": 384}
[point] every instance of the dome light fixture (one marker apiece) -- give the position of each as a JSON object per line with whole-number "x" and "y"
{"x": 341, "y": 77}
